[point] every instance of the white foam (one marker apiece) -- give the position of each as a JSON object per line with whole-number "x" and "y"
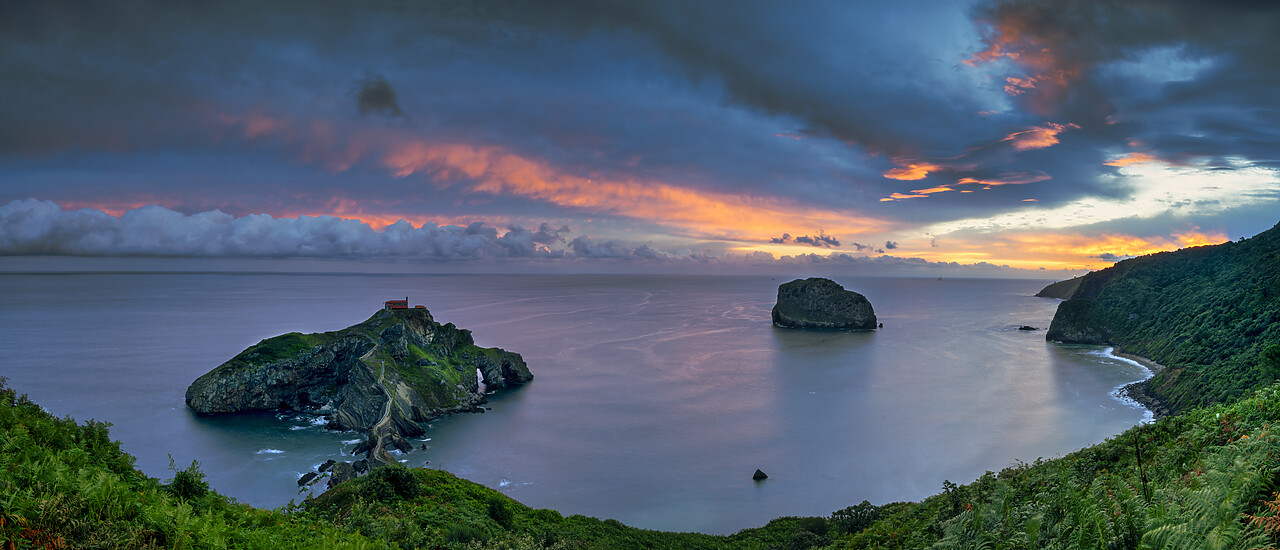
{"x": 1115, "y": 393}
{"x": 269, "y": 452}
{"x": 351, "y": 441}
{"x": 319, "y": 421}
{"x": 295, "y": 428}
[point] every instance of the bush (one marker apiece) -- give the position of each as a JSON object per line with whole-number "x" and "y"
{"x": 387, "y": 483}
{"x": 189, "y": 483}
{"x": 854, "y": 519}
{"x": 499, "y": 512}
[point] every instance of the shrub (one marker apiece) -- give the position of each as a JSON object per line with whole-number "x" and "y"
{"x": 499, "y": 512}
{"x": 189, "y": 483}
{"x": 389, "y": 483}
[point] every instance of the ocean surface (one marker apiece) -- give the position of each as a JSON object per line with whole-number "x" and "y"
{"x": 655, "y": 399}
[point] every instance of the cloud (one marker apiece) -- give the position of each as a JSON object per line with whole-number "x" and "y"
{"x": 867, "y": 248}
{"x": 820, "y": 239}
{"x": 376, "y": 96}
{"x": 890, "y": 245}
{"x": 1007, "y": 178}
{"x": 1038, "y": 137}
{"x": 912, "y": 171}
{"x": 34, "y": 227}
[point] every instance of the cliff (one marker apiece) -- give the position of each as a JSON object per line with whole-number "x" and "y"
{"x": 385, "y": 375}
{"x": 1206, "y": 312}
{"x": 1061, "y": 289}
{"x": 822, "y": 304}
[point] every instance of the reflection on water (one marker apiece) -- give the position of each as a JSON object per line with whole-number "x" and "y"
{"x": 655, "y": 397}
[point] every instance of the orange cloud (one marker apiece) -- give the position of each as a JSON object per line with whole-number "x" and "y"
{"x": 1038, "y": 137}
{"x": 900, "y": 196}
{"x": 1078, "y": 247}
{"x": 1015, "y": 37}
{"x": 1131, "y": 159}
{"x": 912, "y": 172}
{"x": 931, "y": 190}
{"x": 1017, "y": 86}
{"x": 496, "y": 171}
{"x": 1196, "y": 238}
{"x": 1008, "y": 178}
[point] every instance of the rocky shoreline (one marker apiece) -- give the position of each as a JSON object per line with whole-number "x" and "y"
{"x": 1137, "y": 391}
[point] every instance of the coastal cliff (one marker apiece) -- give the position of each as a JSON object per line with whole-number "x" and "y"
{"x": 384, "y": 376}
{"x": 1207, "y": 312}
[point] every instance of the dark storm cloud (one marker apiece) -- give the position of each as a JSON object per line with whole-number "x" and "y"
{"x": 1187, "y": 81}
{"x": 808, "y": 102}
{"x": 376, "y": 96}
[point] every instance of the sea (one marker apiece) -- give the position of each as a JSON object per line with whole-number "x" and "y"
{"x": 655, "y": 397}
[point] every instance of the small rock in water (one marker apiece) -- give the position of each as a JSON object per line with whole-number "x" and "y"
{"x": 327, "y": 464}
{"x": 1027, "y": 327}
{"x": 306, "y": 478}
{"x": 759, "y": 475}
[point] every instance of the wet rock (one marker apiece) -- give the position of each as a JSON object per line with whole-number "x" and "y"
{"x": 327, "y": 464}
{"x": 759, "y": 476}
{"x": 342, "y": 471}
{"x": 307, "y": 479}
{"x": 400, "y": 444}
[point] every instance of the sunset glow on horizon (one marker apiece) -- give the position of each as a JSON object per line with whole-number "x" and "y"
{"x": 1022, "y": 135}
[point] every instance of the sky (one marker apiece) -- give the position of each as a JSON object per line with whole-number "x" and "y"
{"x": 1042, "y": 138}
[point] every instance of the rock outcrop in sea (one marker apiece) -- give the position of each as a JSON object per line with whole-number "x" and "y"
{"x": 823, "y": 304}
{"x": 386, "y": 376}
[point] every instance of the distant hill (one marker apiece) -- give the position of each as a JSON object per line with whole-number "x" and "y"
{"x": 1209, "y": 313}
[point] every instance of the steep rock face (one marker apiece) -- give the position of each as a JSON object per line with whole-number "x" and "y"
{"x": 823, "y": 304}
{"x": 1076, "y": 322}
{"x": 394, "y": 371}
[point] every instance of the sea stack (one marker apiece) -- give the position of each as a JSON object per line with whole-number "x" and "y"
{"x": 822, "y": 304}
{"x": 387, "y": 376}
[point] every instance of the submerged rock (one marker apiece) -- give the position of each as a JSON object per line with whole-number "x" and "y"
{"x": 823, "y": 304}
{"x": 306, "y": 479}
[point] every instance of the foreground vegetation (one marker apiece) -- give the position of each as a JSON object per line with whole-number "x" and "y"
{"x": 1205, "y": 479}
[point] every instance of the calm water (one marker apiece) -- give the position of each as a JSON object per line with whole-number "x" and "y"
{"x": 656, "y": 397}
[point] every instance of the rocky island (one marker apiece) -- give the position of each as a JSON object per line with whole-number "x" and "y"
{"x": 385, "y": 377}
{"x": 822, "y": 304}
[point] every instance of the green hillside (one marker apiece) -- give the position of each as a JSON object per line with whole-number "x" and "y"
{"x": 1204, "y": 479}
{"x": 1210, "y": 313}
